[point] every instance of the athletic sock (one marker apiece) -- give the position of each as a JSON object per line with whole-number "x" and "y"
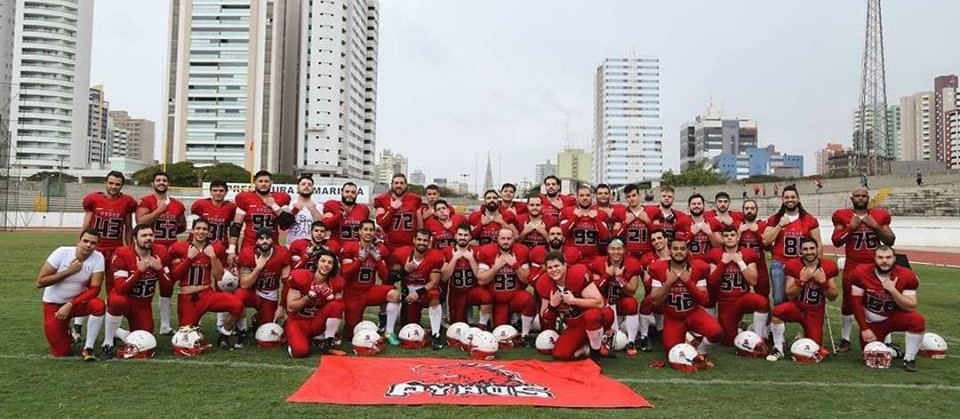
{"x": 93, "y": 329}
{"x": 632, "y": 323}
{"x": 778, "y": 329}
{"x": 393, "y": 310}
{"x": 436, "y": 319}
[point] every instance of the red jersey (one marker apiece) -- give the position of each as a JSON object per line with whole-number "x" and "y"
{"x": 110, "y": 216}
{"x": 678, "y": 221}
{"x": 534, "y": 238}
{"x": 399, "y": 225}
{"x": 736, "y": 218}
{"x": 301, "y": 280}
{"x": 462, "y": 277}
{"x": 550, "y": 210}
{"x": 268, "y": 284}
{"x": 519, "y": 207}
{"x": 577, "y": 278}
{"x": 506, "y": 279}
{"x": 308, "y": 253}
{"x": 258, "y": 215}
{"x": 754, "y": 239}
{"x": 615, "y": 213}
{"x": 787, "y": 243}
{"x": 727, "y": 280}
{"x": 444, "y": 235}
{"x": 345, "y": 222}
{"x": 538, "y": 255}
{"x": 612, "y": 293}
{"x": 166, "y": 226}
{"x": 878, "y": 304}
{"x": 362, "y": 273}
{"x": 124, "y": 265}
{"x": 699, "y": 244}
{"x": 683, "y": 297}
{"x": 487, "y": 233}
{"x": 219, "y": 216}
{"x": 432, "y": 262}
{"x": 812, "y": 295}
{"x": 649, "y": 258}
{"x": 584, "y": 232}
{"x": 197, "y": 271}
{"x": 636, "y": 233}
{"x": 859, "y": 245}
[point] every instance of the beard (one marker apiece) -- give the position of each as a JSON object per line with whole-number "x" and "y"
{"x": 158, "y": 189}
{"x": 348, "y": 201}
{"x": 552, "y": 194}
{"x": 422, "y": 249}
{"x": 860, "y": 207}
{"x": 491, "y": 207}
{"x": 749, "y": 216}
{"x": 505, "y": 248}
{"x": 463, "y": 243}
{"x": 666, "y": 206}
{"x": 677, "y": 261}
{"x": 584, "y": 207}
{"x": 885, "y": 271}
{"x": 145, "y": 246}
{"x": 556, "y": 243}
{"x": 305, "y": 195}
{"x": 697, "y": 212}
{"x": 264, "y": 248}
{"x": 263, "y": 192}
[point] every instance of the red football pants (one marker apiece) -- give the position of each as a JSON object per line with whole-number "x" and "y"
{"x": 508, "y": 302}
{"x": 299, "y": 330}
{"x": 56, "y": 331}
{"x": 460, "y": 299}
{"x": 899, "y": 321}
{"x": 266, "y": 308}
{"x": 697, "y": 320}
{"x": 574, "y": 334}
{"x": 356, "y": 299}
{"x": 138, "y": 311}
{"x": 847, "y": 307}
{"x": 729, "y": 313}
{"x": 191, "y": 307}
{"x": 810, "y": 319}
{"x": 415, "y": 309}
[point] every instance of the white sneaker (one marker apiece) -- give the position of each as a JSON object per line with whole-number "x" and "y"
{"x": 775, "y": 355}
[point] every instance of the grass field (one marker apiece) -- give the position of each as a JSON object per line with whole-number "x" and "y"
{"x": 255, "y": 383}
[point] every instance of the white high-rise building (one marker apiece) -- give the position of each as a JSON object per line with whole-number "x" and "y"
{"x": 628, "y": 134}
{"x": 389, "y": 164}
{"x": 45, "y": 81}
{"x": 916, "y": 128}
{"x": 338, "y": 88}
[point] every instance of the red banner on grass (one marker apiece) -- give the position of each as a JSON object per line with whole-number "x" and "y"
{"x": 415, "y": 381}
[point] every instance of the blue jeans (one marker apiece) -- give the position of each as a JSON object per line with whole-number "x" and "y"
{"x": 778, "y": 281}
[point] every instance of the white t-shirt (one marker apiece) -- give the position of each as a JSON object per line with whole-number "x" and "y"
{"x": 301, "y": 226}
{"x": 64, "y": 291}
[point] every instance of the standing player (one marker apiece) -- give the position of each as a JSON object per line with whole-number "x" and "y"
{"x": 305, "y": 209}
{"x": 218, "y": 212}
{"x": 507, "y": 192}
{"x": 426, "y": 211}
{"x": 397, "y": 213}
{"x": 167, "y": 216}
{"x": 71, "y": 279}
{"x": 444, "y": 224}
{"x": 617, "y": 276}
{"x": 614, "y": 215}
{"x": 537, "y": 257}
{"x": 680, "y": 287}
{"x": 751, "y": 236}
{"x": 584, "y": 225}
{"x": 885, "y": 301}
{"x": 534, "y": 224}
{"x": 701, "y": 236}
{"x": 304, "y": 252}
{"x": 460, "y": 271}
{"x": 733, "y": 273}
{"x": 110, "y": 214}
{"x": 489, "y": 219}
{"x": 343, "y": 217}
{"x": 501, "y": 269}
{"x": 553, "y": 201}
{"x": 721, "y": 216}
{"x": 315, "y": 306}
{"x": 784, "y": 231}
{"x": 363, "y": 262}
{"x": 258, "y": 210}
{"x": 137, "y": 271}
{"x": 636, "y": 224}
{"x": 859, "y": 231}
{"x": 810, "y": 283}
{"x": 570, "y": 290}
{"x": 264, "y": 270}
{"x": 651, "y": 314}
{"x": 420, "y": 268}
{"x": 195, "y": 264}
{"x": 668, "y": 219}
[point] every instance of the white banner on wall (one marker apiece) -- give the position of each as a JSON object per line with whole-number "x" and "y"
{"x": 323, "y": 190}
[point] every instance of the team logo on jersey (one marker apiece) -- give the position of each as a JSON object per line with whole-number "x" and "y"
{"x": 464, "y": 378}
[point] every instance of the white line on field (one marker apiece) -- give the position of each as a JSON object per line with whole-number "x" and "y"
{"x": 685, "y": 381}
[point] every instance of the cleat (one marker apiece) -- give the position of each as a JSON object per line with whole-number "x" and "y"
{"x": 631, "y": 349}
{"x": 824, "y": 353}
{"x": 528, "y": 341}
{"x": 391, "y": 338}
{"x": 75, "y": 333}
{"x": 704, "y": 363}
{"x": 898, "y": 351}
{"x": 381, "y": 323}
{"x": 329, "y": 346}
{"x": 223, "y": 342}
{"x": 910, "y": 366}
{"x": 241, "y": 339}
{"x": 437, "y": 341}
{"x": 775, "y": 355}
{"x": 106, "y": 352}
{"x": 645, "y": 344}
{"x": 742, "y": 326}
{"x": 595, "y": 356}
{"x": 88, "y": 355}
{"x": 844, "y": 346}
{"x": 166, "y": 331}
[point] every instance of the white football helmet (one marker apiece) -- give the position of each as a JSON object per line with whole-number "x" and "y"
{"x": 365, "y": 325}
{"x": 877, "y": 355}
{"x": 412, "y": 336}
{"x": 367, "y": 343}
{"x": 138, "y": 345}
{"x": 229, "y": 282}
{"x": 933, "y": 346}
{"x": 546, "y": 341}
{"x": 806, "y": 351}
{"x": 455, "y": 333}
{"x": 269, "y": 335}
{"x": 507, "y": 335}
{"x": 484, "y": 346}
{"x": 684, "y": 358}
{"x": 188, "y": 341}
{"x": 467, "y": 335}
{"x": 750, "y": 344}
{"x": 620, "y": 341}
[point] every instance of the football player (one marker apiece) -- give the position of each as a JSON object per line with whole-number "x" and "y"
{"x": 584, "y": 225}
{"x": 70, "y": 279}
{"x": 167, "y": 216}
{"x": 721, "y": 216}
{"x": 534, "y": 224}
{"x": 397, "y": 213}
{"x": 651, "y": 314}
{"x": 614, "y": 215}
{"x": 784, "y": 231}
{"x": 217, "y": 210}
{"x": 751, "y": 231}
{"x": 701, "y": 234}
{"x": 617, "y": 277}
{"x": 306, "y": 211}
{"x": 859, "y": 230}
{"x": 570, "y": 291}
{"x": 501, "y": 266}
{"x": 636, "y": 224}
{"x": 343, "y": 217}
{"x": 507, "y": 192}
{"x": 304, "y": 252}
{"x": 489, "y": 219}
{"x": 364, "y": 261}
{"x": 443, "y": 225}
{"x": 426, "y": 211}
{"x": 668, "y": 219}
{"x": 460, "y": 271}
{"x": 418, "y": 268}
{"x": 258, "y": 210}
{"x": 264, "y": 270}
{"x": 733, "y": 275}
{"x": 315, "y": 306}
{"x": 553, "y": 201}
{"x": 537, "y": 257}
{"x": 884, "y": 298}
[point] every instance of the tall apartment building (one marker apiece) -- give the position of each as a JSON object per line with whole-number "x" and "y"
{"x": 823, "y": 157}
{"x": 543, "y": 170}
{"x": 944, "y": 99}
{"x": 45, "y": 81}
{"x": 388, "y": 164}
{"x": 574, "y": 163}
{"x": 97, "y": 127}
{"x": 132, "y": 138}
{"x": 710, "y": 135}
{"x": 916, "y": 127}
{"x": 886, "y": 148}
{"x": 628, "y": 134}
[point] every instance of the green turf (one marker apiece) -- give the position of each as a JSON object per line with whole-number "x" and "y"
{"x": 238, "y": 383}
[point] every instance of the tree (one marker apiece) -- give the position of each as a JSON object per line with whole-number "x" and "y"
{"x": 180, "y": 174}
{"x": 699, "y": 173}
{"x": 52, "y": 175}
{"x": 282, "y": 178}
{"x": 227, "y": 172}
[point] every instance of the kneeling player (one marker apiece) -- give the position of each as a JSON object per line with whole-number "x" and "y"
{"x": 810, "y": 283}
{"x": 363, "y": 262}
{"x": 680, "y": 287}
{"x": 502, "y": 268}
{"x": 419, "y": 266}
{"x": 315, "y": 306}
{"x": 263, "y": 269}
{"x": 460, "y": 271}
{"x": 885, "y": 301}
{"x": 617, "y": 276}
{"x": 572, "y": 294}
{"x": 304, "y": 252}
{"x": 734, "y": 274}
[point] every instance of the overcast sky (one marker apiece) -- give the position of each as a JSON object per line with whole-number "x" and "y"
{"x": 459, "y": 78}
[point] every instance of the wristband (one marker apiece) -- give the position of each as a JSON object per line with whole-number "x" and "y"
{"x": 421, "y": 292}
{"x": 742, "y": 265}
{"x": 232, "y": 249}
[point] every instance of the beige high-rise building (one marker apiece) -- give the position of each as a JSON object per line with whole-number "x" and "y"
{"x": 133, "y": 138}
{"x": 97, "y": 130}
{"x": 574, "y": 163}
{"x": 916, "y": 127}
